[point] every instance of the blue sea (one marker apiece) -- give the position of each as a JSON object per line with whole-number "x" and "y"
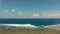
{"x": 36, "y": 22}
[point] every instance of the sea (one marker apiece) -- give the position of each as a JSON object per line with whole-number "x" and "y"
{"x": 35, "y": 22}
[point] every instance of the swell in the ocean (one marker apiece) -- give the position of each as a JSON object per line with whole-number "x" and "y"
{"x": 33, "y": 26}
{"x": 20, "y": 25}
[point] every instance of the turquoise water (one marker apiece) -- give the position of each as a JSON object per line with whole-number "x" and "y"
{"x": 36, "y": 22}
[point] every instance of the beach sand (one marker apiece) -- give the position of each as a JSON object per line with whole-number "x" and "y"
{"x": 27, "y": 30}
{"x": 30, "y": 31}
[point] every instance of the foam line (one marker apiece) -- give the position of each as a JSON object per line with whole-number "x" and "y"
{"x": 20, "y": 25}
{"x": 57, "y": 27}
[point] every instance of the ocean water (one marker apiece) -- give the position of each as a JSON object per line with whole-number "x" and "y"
{"x": 36, "y": 22}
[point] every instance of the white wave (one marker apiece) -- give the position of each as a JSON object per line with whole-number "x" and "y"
{"x": 20, "y": 25}
{"x": 57, "y": 27}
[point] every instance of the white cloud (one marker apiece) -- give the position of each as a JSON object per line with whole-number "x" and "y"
{"x": 35, "y": 14}
{"x": 13, "y": 10}
{"x": 51, "y": 14}
{"x": 45, "y": 14}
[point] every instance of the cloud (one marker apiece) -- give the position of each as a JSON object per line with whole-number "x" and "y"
{"x": 51, "y": 14}
{"x": 13, "y": 10}
{"x": 35, "y": 14}
{"x": 45, "y": 14}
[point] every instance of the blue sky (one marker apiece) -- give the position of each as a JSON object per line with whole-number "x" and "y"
{"x": 29, "y": 9}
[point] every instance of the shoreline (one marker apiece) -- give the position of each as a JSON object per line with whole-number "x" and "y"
{"x": 22, "y": 30}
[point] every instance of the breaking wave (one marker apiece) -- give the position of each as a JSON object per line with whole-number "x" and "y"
{"x": 20, "y": 25}
{"x": 57, "y": 27}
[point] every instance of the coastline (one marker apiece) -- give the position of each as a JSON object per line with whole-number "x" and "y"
{"x": 24, "y": 30}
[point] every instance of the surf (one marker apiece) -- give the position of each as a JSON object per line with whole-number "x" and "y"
{"x": 20, "y": 25}
{"x": 57, "y": 26}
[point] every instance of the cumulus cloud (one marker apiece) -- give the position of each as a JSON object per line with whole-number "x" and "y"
{"x": 51, "y": 14}
{"x": 45, "y": 14}
{"x": 35, "y": 14}
{"x": 13, "y": 10}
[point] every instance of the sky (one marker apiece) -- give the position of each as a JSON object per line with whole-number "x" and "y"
{"x": 29, "y": 8}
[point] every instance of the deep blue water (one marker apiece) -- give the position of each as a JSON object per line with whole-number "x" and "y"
{"x": 30, "y": 21}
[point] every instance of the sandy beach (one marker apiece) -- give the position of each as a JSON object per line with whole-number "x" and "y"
{"x": 7, "y": 29}
{"x": 29, "y": 31}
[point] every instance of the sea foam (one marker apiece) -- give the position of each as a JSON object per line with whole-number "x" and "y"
{"x": 20, "y": 25}
{"x": 57, "y": 27}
